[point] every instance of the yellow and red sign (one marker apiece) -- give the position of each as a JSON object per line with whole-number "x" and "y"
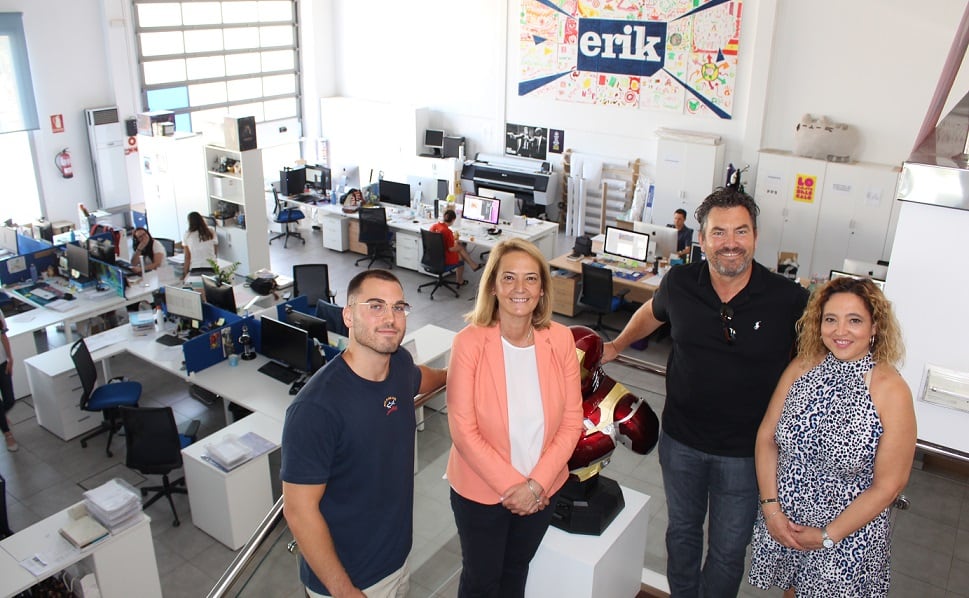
{"x": 805, "y": 188}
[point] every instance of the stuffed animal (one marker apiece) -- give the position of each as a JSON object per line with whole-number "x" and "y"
{"x": 825, "y": 140}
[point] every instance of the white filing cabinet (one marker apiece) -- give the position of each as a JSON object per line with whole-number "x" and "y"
{"x": 686, "y": 173}
{"x": 173, "y": 180}
{"x": 335, "y": 234}
{"x": 409, "y": 250}
{"x": 56, "y": 390}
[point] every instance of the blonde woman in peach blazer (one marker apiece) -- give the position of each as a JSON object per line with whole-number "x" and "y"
{"x": 515, "y": 413}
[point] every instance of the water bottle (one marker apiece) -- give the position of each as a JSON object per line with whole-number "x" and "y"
{"x": 33, "y": 273}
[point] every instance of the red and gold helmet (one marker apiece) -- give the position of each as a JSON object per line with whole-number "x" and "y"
{"x": 588, "y": 348}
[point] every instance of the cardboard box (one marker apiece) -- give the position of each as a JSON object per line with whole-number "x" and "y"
{"x": 240, "y": 133}
{"x": 150, "y": 123}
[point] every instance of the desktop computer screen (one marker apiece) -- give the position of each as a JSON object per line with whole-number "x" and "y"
{"x": 284, "y": 343}
{"x": 183, "y": 303}
{"x": 839, "y": 274}
{"x": 102, "y": 249}
{"x": 874, "y": 271}
{"x": 663, "y": 238}
{"x": 481, "y": 209}
{"x": 314, "y": 327}
{"x": 78, "y": 261}
{"x": 434, "y": 139}
{"x": 627, "y": 244}
{"x": 319, "y": 177}
{"x": 221, "y": 296}
{"x": 394, "y": 193}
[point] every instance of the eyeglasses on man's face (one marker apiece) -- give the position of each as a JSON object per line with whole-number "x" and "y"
{"x": 726, "y": 319}
{"x": 379, "y": 308}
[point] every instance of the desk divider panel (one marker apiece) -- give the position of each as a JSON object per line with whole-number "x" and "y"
{"x": 16, "y": 268}
{"x": 28, "y": 244}
{"x": 209, "y": 347}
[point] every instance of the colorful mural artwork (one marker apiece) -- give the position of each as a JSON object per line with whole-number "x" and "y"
{"x": 670, "y": 55}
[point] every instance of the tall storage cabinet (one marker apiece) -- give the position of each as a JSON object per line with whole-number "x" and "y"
{"x": 173, "y": 179}
{"x": 823, "y": 211}
{"x": 686, "y": 172}
{"x": 236, "y": 178}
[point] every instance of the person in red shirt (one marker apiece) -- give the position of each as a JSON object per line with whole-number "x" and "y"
{"x": 456, "y": 252}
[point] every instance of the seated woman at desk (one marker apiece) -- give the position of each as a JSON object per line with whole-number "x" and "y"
{"x": 148, "y": 248}
{"x": 455, "y": 253}
{"x": 199, "y": 244}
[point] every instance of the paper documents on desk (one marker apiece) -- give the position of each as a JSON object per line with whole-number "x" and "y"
{"x": 114, "y": 504}
{"x": 106, "y": 339}
{"x": 59, "y": 305}
{"x": 229, "y": 452}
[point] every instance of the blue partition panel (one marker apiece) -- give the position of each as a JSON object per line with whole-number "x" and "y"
{"x": 212, "y": 345}
{"x": 16, "y": 269}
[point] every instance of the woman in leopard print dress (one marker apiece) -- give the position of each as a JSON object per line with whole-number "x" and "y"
{"x": 834, "y": 450}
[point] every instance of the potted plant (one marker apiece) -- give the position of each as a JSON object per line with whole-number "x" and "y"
{"x": 223, "y": 275}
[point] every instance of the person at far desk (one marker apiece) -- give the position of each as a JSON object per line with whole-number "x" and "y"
{"x": 684, "y": 234}
{"x": 199, "y": 245}
{"x": 348, "y": 451}
{"x": 732, "y": 325}
{"x": 455, "y": 253}
{"x": 148, "y": 248}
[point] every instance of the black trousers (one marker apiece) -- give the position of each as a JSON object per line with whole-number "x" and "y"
{"x": 496, "y": 547}
{"x": 7, "y": 397}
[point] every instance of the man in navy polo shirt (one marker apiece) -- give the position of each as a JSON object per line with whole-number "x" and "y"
{"x": 732, "y": 326}
{"x": 348, "y": 451}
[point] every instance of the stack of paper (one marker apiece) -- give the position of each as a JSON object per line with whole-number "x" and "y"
{"x": 229, "y": 452}
{"x": 142, "y": 323}
{"x": 115, "y": 504}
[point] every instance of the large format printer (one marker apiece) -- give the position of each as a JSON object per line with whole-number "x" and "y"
{"x": 536, "y": 188}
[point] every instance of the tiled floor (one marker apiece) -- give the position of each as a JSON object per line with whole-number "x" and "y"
{"x": 931, "y": 543}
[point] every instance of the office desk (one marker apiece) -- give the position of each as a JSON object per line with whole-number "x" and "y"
{"x": 566, "y": 288}
{"x": 123, "y": 563}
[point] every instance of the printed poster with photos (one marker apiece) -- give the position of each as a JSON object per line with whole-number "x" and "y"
{"x": 675, "y": 56}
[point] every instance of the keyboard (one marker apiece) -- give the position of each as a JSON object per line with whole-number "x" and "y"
{"x": 170, "y": 340}
{"x": 43, "y": 294}
{"x": 279, "y": 372}
{"x": 620, "y": 271}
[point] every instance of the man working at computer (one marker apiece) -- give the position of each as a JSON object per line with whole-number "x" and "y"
{"x": 684, "y": 234}
{"x": 455, "y": 253}
{"x": 348, "y": 451}
{"x": 732, "y": 326}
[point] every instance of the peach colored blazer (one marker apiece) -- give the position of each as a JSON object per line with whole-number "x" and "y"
{"x": 479, "y": 467}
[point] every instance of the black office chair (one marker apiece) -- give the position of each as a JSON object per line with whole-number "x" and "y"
{"x": 598, "y": 295}
{"x": 168, "y": 244}
{"x": 286, "y": 217}
{"x": 433, "y": 262}
{"x": 154, "y": 447}
{"x": 312, "y": 280}
{"x": 333, "y": 314}
{"x": 376, "y": 234}
{"x": 106, "y": 398}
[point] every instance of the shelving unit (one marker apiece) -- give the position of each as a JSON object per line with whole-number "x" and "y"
{"x": 236, "y": 178}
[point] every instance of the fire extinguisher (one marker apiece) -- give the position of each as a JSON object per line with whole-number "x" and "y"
{"x": 63, "y": 163}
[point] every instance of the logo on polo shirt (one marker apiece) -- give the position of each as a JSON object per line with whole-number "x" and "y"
{"x": 390, "y": 404}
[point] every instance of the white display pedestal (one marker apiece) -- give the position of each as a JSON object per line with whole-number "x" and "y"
{"x": 611, "y": 565}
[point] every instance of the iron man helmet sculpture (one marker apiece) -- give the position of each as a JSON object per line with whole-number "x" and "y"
{"x": 611, "y": 413}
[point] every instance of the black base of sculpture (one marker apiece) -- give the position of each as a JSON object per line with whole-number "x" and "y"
{"x": 588, "y": 507}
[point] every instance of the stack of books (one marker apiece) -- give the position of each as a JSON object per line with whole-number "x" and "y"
{"x": 115, "y": 504}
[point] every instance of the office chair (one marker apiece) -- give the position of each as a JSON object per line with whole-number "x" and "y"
{"x": 312, "y": 280}
{"x": 597, "y": 294}
{"x": 154, "y": 447}
{"x": 376, "y": 234}
{"x": 4, "y": 524}
{"x": 333, "y": 314}
{"x": 286, "y": 217}
{"x": 168, "y": 244}
{"x": 433, "y": 262}
{"x": 106, "y": 398}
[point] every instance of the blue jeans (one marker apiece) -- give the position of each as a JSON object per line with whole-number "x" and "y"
{"x": 693, "y": 480}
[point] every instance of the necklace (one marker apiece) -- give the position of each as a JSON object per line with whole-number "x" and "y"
{"x": 522, "y": 343}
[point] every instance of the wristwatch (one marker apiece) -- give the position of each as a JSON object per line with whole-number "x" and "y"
{"x": 826, "y": 540}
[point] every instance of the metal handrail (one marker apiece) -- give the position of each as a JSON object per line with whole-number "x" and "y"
{"x": 265, "y": 528}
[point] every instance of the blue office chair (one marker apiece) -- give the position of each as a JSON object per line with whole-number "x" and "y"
{"x": 598, "y": 295}
{"x": 106, "y": 398}
{"x": 433, "y": 263}
{"x": 286, "y": 217}
{"x": 154, "y": 446}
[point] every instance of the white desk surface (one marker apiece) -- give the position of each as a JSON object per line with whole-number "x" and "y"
{"x": 269, "y": 428}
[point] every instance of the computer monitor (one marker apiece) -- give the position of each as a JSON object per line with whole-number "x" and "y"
{"x": 183, "y": 303}
{"x": 314, "y": 327}
{"x": 221, "y": 296}
{"x": 102, "y": 249}
{"x": 869, "y": 269}
{"x": 839, "y": 274}
{"x": 662, "y": 238}
{"x": 394, "y": 193}
{"x": 319, "y": 177}
{"x": 509, "y": 202}
{"x": 481, "y": 209}
{"x": 284, "y": 343}
{"x": 627, "y": 244}
{"x": 78, "y": 261}
{"x": 434, "y": 139}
